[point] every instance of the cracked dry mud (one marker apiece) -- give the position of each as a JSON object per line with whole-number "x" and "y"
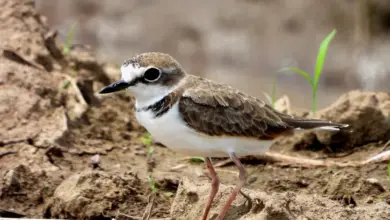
{"x": 53, "y": 122}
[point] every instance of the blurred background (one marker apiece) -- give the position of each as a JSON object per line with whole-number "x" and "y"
{"x": 242, "y": 42}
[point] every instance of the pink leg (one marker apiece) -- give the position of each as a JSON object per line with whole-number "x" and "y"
{"x": 214, "y": 187}
{"x": 243, "y": 176}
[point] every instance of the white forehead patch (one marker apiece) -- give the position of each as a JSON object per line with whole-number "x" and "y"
{"x": 131, "y": 72}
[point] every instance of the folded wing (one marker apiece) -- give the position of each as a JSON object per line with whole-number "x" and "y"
{"x": 220, "y": 110}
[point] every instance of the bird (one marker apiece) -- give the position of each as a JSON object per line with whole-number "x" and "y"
{"x": 196, "y": 116}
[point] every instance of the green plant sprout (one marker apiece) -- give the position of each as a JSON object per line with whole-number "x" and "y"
{"x": 196, "y": 159}
{"x": 388, "y": 170}
{"x": 147, "y": 141}
{"x": 313, "y": 81}
{"x": 153, "y": 187}
{"x": 152, "y": 184}
{"x": 150, "y": 151}
{"x": 69, "y": 38}
{"x": 65, "y": 84}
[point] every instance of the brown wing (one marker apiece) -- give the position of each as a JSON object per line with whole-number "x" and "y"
{"x": 220, "y": 110}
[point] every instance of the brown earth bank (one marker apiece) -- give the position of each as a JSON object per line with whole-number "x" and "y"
{"x": 66, "y": 152}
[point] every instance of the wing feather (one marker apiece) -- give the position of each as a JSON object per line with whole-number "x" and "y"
{"x": 220, "y": 110}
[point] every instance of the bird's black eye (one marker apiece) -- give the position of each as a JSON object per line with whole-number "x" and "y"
{"x": 152, "y": 74}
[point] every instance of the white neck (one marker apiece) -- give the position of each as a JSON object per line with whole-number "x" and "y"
{"x": 147, "y": 95}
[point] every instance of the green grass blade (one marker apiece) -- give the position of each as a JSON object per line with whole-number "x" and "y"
{"x": 152, "y": 183}
{"x": 150, "y": 151}
{"x": 197, "y": 159}
{"x": 314, "y": 104}
{"x": 65, "y": 84}
{"x": 300, "y": 72}
{"x": 69, "y": 38}
{"x": 388, "y": 170}
{"x": 147, "y": 139}
{"x": 321, "y": 56}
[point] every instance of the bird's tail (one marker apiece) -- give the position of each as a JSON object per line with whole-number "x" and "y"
{"x": 314, "y": 124}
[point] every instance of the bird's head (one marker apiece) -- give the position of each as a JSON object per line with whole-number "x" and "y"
{"x": 149, "y": 76}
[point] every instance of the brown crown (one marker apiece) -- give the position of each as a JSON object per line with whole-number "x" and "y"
{"x": 157, "y": 59}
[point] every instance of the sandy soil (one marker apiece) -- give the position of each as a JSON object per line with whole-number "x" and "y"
{"x": 67, "y": 152}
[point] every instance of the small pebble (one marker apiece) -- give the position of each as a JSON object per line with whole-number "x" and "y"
{"x": 10, "y": 178}
{"x": 375, "y": 182}
{"x": 139, "y": 147}
{"x": 140, "y": 153}
{"x": 370, "y": 200}
{"x": 372, "y": 181}
{"x": 95, "y": 161}
{"x": 252, "y": 180}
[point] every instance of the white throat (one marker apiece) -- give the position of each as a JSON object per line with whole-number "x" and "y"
{"x": 148, "y": 95}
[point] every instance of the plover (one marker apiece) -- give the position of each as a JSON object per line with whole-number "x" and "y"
{"x": 199, "y": 117}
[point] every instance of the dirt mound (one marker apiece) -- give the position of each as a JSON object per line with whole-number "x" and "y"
{"x": 30, "y": 104}
{"x": 367, "y": 113}
{"x": 21, "y": 190}
{"x": 67, "y": 152}
{"x": 357, "y": 108}
{"x": 51, "y": 119}
{"x": 191, "y": 197}
{"x": 98, "y": 194}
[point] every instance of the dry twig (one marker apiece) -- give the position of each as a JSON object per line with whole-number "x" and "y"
{"x": 149, "y": 207}
{"x": 281, "y": 159}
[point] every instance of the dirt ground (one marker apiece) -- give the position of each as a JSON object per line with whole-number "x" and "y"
{"x": 67, "y": 152}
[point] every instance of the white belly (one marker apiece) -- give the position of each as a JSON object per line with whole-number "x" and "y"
{"x": 170, "y": 130}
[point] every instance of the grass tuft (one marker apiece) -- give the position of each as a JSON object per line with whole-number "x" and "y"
{"x": 313, "y": 81}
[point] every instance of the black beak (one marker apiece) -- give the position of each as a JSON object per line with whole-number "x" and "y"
{"x": 115, "y": 87}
